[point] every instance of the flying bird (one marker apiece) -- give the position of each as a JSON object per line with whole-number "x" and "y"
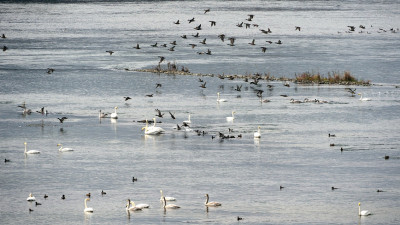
{"x": 110, "y": 52}
{"x": 137, "y": 46}
{"x": 203, "y": 85}
{"x": 62, "y": 119}
{"x": 222, "y": 37}
{"x": 198, "y": 27}
{"x": 263, "y": 49}
{"x": 213, "y": 23}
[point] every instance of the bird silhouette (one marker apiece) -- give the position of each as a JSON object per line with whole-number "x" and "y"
{"x": 252, "y": 42}
{"x": 62, "y": 119}
{"x": 203, "y": 85}
{"x": 263, "y": 49}
{"x": 137, "y": 46}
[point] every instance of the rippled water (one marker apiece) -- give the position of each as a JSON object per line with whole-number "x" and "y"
{"x": 242, "y": 173}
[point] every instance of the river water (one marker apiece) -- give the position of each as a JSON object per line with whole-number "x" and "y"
{"x": 244, "y": 174}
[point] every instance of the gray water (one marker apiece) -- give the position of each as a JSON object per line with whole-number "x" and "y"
{"x": 243, "y": 174}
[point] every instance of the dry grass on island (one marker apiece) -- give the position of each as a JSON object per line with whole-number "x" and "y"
{"x": 334, "y": 77}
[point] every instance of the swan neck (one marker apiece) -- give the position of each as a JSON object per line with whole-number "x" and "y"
{"x": 25, "y": 147}
{"x": 206, "y": 199}
{"x": 85, "y": 203}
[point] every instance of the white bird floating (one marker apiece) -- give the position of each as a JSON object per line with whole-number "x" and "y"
{"x": 31, "y": 198}
{"x": 211, "y": 203}
{"x": 169, "y": 206}
{"x": 152, "y": 130}
{"x": 258, "y": 133}
{"x": 363, "y": 99}
{"x": 62, "y": 149}
{"x": 166, "y": 198}
{"x": 31, "y": 151}
{"x": 87, "y": 209}
{"x": 114, "y": 115}
{"x": 364, "y": 212}
{"x": 231, "y": 118}
{"x": 130, "y": 206}
{"x": 220, "y": 99}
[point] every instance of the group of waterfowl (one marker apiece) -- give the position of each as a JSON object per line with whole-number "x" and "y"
{"x": 198, "y": 28}
{"x": 61, "y": 149}
{"x": 363, "y": 29}
{"x": 130, "y": 206}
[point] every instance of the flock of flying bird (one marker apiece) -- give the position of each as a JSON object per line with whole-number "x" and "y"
{"x": 198, "y": 41}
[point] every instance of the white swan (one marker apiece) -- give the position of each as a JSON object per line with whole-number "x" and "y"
{"x": 64, "y": 149}
{"x": 258, "y": 133}
{"x": 364, "y": 99}
{"x": 221, "y": 99}
{"x": 152, "y": 130}
{"x": 211, "y": 203}
{"x": 130, "y": 206}
{"x": 31, "y": 151}
{"x": 114, "y": 115}
{"x": 166, "y": 198}
{"x": 188, "y": 121}
{"x": 231, "y": 118}
{"x": 364, "y": 212}
{"x": 31, "y": 198}
{"x": 87, "y": 209}
{"x": 169, "y": 206}
{"x": 102, "y": 115}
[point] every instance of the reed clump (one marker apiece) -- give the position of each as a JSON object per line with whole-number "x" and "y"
{"x": 334, "y": 77}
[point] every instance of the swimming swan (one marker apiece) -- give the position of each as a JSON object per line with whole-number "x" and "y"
{"x": 114, "y": 115}
{"x": 87, "y": 209}
{"x": 169, "y": 206}
{"x": 152, "y": 130}
{"x": 31, "y": 198}
{"x": 220, "y": 99}
{"x": 364, "y": 212}
{"x": 258, "y": 133}
{"x": 133, "y": 207}
{"x": 211, "y": 203}
{"x": 31, "y": 151}
{"x": 166, "y": 198}
{"x": 64, "y": 149}
{"x": 231, "y": 118}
